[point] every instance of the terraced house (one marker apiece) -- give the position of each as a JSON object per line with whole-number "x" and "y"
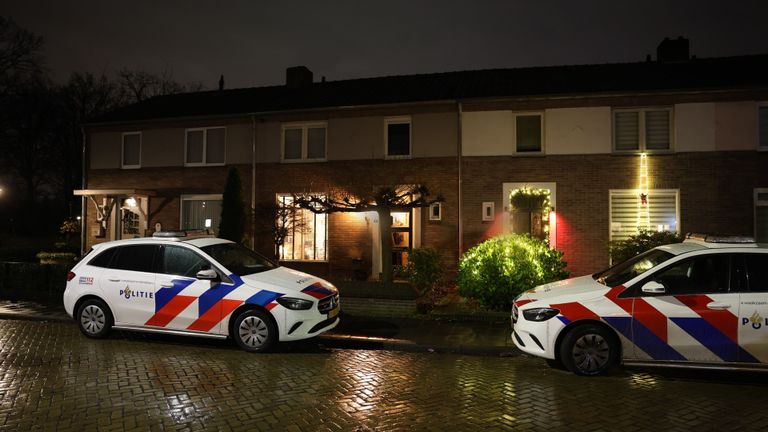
{"x": 675, "y": 143}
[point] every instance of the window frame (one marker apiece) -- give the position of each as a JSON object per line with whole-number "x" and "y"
{"x": 761, "y": 106}
{"x": 651, "y": 192}
{"x": 197, "y": 197}
{"x": 757, "y": 202}
{"x": 304, "y": 126}
{"x": 641, "y": 138}
{"x": 205, "y": 146}
{"x": 436, "y": 206}
{"x": 398, "y": 120}
{"x": 278, "y": 200}
{"x": 515, "y": 149}
{"x": 122, "y": 150}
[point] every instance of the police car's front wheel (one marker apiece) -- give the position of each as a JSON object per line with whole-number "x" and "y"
{"x": 94, "y": 318}
{"x": 254, "y": 330}
{"x": 589, "y": 349}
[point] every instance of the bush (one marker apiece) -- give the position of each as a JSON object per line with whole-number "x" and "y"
{"x": 424, "y": 269}
{"x": 622, "y": 250}
{"x": 497, "y": 270}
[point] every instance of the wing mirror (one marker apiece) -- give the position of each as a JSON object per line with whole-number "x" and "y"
{"x": 207, "y": 274}
{"x": 654, "y": 287}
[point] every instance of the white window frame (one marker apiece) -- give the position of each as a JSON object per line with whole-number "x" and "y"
{"x": 398, "y": 120}
{"x": 758, "y": 203}
{"x": 197, "y": 197}
{"x": 515, "y": 115}
{"x": 439, "y": 215}
{"x": 122, "y": 150}
{"x": 760, "y": 105}
{"x": 304, "y": 126}
{"x": 641, "y": 129}
{"x": 205, "y": 146}
{"x": 651, "y": 192}
{"x": 327, "y": 230}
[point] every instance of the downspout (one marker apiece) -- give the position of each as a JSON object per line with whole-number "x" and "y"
{"x": 83, "y": 183}
{"x": 459, "y": 180}
{"x": 253, "y": 182}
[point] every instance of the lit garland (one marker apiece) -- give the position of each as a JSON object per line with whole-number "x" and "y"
{"x": 532, "y": 200}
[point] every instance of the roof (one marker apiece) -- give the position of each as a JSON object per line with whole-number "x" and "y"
{"x": 695, "y": 74}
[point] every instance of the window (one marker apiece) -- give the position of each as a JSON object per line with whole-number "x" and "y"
{"x": 699, "y": 275}
{"x": 761, "y": 215}
{"x": 134, "y": 258}
{"x": 205, "y": 146}
{"x": 201, "y": 212}
{"x": 181, "y": 261}
{"x": 762, "y": 127}
{"x": 306, "y": 235}
{"x": 528, "y": 137}
{"x": 647, "y": 129}
{"x": 131, "y": 150}
{"x": 304, "y": 142}
{"x": 103, "y": 259}
{"x": 436, "y": 211}
{"x": 630, "y": 210}
{"x": 757, "y": 271}
{"x": 397, "y": 137}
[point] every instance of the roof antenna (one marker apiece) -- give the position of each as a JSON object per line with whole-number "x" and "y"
{"x": 221, "y": 82}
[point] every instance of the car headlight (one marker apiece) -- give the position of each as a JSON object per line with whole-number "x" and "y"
{"x": 295, "y": 303}
{"x": 540, "y": 314}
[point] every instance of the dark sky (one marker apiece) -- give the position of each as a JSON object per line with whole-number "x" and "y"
{"x": 252, "y": 42}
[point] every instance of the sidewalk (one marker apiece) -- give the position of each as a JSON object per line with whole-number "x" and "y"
{"x": 399, "y": 334}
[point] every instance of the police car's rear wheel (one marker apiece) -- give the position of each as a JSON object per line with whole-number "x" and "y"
{"x": 94, "y": 318}
{"x": 589, "y": 350}
{"x": 254, "y": 330}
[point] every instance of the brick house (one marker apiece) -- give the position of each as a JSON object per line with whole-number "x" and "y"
{"x": 677, "y": 144}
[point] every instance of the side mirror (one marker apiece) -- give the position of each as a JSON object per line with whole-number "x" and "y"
{"x": 654, "y": 287}
{"x": 207, "y": 274}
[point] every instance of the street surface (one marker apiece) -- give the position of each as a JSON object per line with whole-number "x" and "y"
{"x": 53, "y": 378}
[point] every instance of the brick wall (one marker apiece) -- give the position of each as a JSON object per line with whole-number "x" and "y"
{"x": 378, "y": 307}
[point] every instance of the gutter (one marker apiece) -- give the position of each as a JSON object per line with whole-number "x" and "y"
{"x": 83, "y": 182}
{"x": 253, "y": 182}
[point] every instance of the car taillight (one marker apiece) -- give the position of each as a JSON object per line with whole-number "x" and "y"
{"x": 70, "y": 276}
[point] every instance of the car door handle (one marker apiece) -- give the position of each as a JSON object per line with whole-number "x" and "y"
{"x": 167, "y": 284}
{"x": 114, "y": 280}
{"x": 718, "y": 306}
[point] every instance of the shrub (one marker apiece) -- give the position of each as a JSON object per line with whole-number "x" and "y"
{"x": 497, "y": 270}
{"x": 424, "y": 269}
{"x": 622, "y": 250}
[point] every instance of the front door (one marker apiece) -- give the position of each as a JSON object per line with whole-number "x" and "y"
{"x": 695, "y": 319}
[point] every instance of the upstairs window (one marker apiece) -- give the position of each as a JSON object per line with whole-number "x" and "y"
{"x": 205, "y": 146}
{"x": 397, "y": 137}
{"x": 528, "y": 133}
{"x": 131, "y": 150}
{"x": 304, "y": 142}
{"x": 646, "y": 129}
{"x": 762, "y": 113}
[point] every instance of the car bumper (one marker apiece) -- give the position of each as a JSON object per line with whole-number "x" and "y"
{"x": 534, "y": 338}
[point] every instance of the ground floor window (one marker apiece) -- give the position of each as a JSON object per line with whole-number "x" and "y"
{"x": 632, "y": 210}
{"x": 306, "y": 233}
{"x": 761, "y": 215}
{"x": 201, "y": 212}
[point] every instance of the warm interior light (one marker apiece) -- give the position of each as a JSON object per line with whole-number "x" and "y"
{"x": 130, "y": 202}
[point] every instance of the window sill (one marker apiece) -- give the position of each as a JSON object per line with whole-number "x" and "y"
{"x": 293, "y": 161}
{"x": 387, "y": 157}
{"x": 192, "y": 165}
{"x": 130, "y": 167}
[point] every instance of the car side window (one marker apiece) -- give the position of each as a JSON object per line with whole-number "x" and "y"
{"x": 182, "y": 262}
{"x": 135, "y": 258}
{"x": 757, "y": 271}
{"x": 699, "y": 275}
{"x": 103, "y": 259}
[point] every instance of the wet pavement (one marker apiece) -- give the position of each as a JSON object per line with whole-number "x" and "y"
{"x": 53, "y": 378}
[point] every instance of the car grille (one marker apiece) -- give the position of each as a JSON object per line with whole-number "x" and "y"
{"x": 328, "y": 304}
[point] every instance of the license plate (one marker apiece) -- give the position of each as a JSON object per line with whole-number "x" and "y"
{"x": 333, "y": 312}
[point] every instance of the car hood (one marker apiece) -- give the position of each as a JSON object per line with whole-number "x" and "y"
{"x": 581, "y": 288}
{"x": 283, "y": 279}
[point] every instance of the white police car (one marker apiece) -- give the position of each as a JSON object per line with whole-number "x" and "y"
{"x": 178, "y": 283}
{"x": 703, "y": 302}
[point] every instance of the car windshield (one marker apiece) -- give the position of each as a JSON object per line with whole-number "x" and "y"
{"x": 622, "y": 272}
{"x": 239, "y": 259}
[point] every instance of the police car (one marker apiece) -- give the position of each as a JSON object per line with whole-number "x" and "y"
{"x": 190, "y": 284}
{"x": 702, "y": 302}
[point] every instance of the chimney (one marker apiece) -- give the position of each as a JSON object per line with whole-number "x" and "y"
{"x": 298, "y": 77}
{"x": 670, "y": 50}
{"x": 221, "y": 83}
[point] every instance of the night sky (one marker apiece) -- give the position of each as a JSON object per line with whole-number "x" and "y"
{"x": 252, "y": 42}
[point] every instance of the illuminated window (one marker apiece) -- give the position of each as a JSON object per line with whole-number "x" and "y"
{"x": 631, "y": 210}
{"x": 306, "y": 236}
{"x": 528, "y": 133}
{"x": 304, "y": 142}
{"x": 205, "y": 146}
{"x": 645, "y": 129}
{"x": 131, "y": 150}
{"x": 397, "y": 137}
{"x": 201, "y": 211}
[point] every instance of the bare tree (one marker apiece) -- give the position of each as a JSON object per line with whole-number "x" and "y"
{"x": 138, "y": 85}
{"x": 21, "y": 59}
{"x": 383, "y": 201}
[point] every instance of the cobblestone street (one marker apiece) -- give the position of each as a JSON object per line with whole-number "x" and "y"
{"x": 51, "y": 377}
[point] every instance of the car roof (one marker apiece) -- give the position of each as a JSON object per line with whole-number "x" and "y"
{"x": 690, "y": 245}
{"x": 197, "y": 242}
